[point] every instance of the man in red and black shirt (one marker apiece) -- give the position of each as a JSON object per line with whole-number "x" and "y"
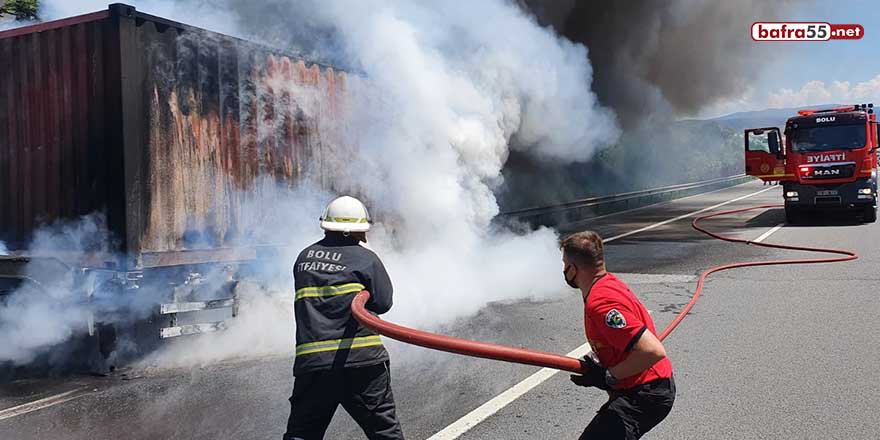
{"x": 628, "y": 361}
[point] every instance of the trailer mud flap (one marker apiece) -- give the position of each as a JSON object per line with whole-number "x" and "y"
{"x": 176, "y": 329}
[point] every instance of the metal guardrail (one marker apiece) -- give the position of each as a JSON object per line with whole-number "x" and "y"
{"x": 584, "y": 209}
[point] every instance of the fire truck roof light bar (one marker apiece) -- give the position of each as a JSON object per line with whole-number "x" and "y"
{"x": 843, "y": 108}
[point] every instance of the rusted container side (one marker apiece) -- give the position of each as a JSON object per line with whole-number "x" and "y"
{"x": 178, "y": 135}
{"x": 227, "y": 125}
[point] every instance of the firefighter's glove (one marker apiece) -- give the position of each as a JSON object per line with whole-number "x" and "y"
{"x": 593, "y": 375}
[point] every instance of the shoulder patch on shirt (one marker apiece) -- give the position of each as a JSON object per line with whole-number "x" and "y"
{"x": 615, "y": 319}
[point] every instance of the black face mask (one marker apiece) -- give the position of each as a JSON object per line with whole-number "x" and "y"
{"x": 570, "y": 282}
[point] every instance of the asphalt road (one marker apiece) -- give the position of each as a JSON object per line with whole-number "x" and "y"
{"x": 775, "y": 352}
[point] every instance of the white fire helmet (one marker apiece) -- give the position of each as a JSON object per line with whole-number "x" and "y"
{"x": 346, "y": 214}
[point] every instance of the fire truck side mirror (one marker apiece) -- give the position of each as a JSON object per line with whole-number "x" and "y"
{"x": 773, "y": 143}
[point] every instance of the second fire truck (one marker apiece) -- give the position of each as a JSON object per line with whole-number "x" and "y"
{"x": 824, "y": 159}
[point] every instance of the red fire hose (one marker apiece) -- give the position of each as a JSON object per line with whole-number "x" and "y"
{"x": 565, "y": 363}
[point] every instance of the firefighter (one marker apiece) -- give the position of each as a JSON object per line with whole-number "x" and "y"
{"x": 627, "y": 359}
{"x": 338, "y": 361}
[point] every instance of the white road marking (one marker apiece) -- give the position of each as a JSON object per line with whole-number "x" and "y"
{"x": 485, "y": 410}
{"x": 498, "y": 402}
{"x": 772, "y": 230}
{"x": 665, "y": 222}
{"x": 36, "y": 405}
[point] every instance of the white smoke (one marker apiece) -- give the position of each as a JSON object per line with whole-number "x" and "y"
{"x": 457, "y": 82}
{"x": 35, "y": 320}
{"x": 265, "y": 325}
{"x": 45, "y": 312}
{"x": 446, "y": 88}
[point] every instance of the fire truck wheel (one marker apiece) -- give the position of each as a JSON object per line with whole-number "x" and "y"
{"x": 792, "y": 215}
{"x": 871, "y": 214}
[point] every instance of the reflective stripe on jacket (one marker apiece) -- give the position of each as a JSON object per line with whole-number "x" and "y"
{"x": 338, "y": 344}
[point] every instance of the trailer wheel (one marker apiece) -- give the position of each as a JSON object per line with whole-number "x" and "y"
{"x": 870, "y": 214}
{"x": 792, "y": 215}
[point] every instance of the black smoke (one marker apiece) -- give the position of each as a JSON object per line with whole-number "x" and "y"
{"x": 654, "y": 62}
{"x": 657, "y": 59}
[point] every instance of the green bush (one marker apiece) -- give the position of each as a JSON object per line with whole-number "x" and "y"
{"x": 21, "y": 9}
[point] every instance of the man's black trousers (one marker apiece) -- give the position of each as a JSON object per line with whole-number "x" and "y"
{"x": 364, "y": 392}
{"x": 629, "y": 414}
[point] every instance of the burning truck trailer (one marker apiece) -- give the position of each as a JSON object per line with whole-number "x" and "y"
{"x": 167, "y": 132}
{"x": 828, "y": 161}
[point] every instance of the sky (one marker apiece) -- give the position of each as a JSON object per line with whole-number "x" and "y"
{"x": 805, "y": 73}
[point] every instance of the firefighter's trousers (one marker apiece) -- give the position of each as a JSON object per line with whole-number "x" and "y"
{"x": 364, "y": 392}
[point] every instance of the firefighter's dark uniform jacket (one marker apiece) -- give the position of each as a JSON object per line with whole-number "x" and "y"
{"x": 327, "y": 276}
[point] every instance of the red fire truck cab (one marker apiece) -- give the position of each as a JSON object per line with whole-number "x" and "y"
{"x": 828, "y": 160}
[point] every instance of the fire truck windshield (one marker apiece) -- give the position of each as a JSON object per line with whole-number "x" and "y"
{"x": 832, "y": 137}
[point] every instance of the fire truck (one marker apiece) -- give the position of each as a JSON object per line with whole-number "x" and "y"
{"x": 825, "y": 160}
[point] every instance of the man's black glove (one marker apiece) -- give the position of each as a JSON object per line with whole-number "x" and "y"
{"x": 593, "y": 375}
